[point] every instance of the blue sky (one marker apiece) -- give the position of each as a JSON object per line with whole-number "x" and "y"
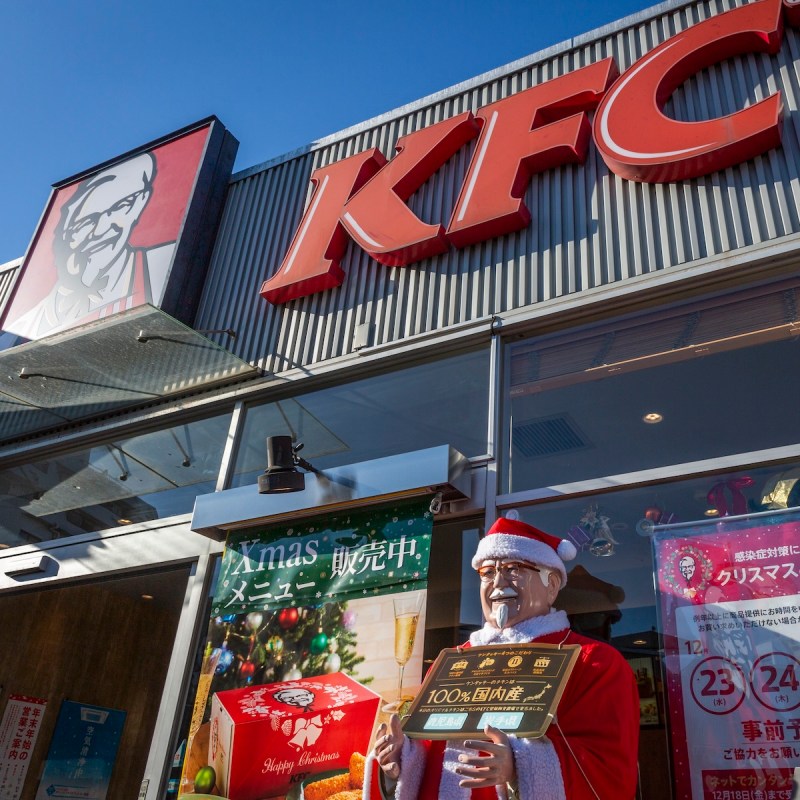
{"x": 85, "y": 80}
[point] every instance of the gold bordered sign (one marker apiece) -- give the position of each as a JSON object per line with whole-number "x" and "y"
{"x": 515, "y": 687}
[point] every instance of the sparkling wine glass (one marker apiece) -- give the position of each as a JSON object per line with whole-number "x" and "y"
{"x": 407, "y": 609}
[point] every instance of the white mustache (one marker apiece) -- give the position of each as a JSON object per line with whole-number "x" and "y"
{"x": 502, "y": 594}
{"x": 501, "y": 612}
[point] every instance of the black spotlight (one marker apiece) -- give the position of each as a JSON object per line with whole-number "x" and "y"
{"x": 281, "y": 474}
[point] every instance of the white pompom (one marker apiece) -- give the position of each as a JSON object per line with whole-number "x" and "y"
{"x": 566, "y": 550}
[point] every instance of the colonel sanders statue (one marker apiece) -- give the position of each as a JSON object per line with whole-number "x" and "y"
{"x": 590, "y": 749}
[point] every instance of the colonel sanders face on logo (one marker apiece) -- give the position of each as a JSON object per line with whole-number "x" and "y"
{"x": 687, "y": 566}
{"x": 295, "y": 697}
{"x": 96, "y": 224}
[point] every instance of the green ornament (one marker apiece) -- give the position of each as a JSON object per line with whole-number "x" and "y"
{"x": 275, "y": 644}
{"x": 319, "y": 644}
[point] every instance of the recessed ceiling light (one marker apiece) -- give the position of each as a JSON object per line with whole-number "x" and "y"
{"x": 147, "y": 597}
{"x": 640, "y": 641}
{"x": 712, "y": 512}
{"x": 124, "y": 521}
{"x": 652, "y": 418}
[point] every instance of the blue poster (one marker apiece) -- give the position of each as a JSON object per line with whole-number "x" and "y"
{"x": 82, "y": 753}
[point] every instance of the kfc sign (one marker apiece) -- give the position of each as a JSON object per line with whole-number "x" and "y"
{"x": 363, "y": 197}
{"x": 133, "y": 231}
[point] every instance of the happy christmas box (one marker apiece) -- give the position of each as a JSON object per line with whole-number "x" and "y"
{"x": 266, "y": 739}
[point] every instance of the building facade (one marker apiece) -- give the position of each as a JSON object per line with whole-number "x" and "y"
{"x": 608, "y": 334}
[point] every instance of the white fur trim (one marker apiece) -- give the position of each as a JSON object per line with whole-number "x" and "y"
{"x": 539, "y": 773}
{"x": 448, "y": 785}
{"x": 412, "y": 768}
{"x": 369, "y": 766}
{"x": 525, "y": 631}
{"x": 507, "y": 546}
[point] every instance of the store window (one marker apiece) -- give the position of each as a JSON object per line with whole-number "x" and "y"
{"x": 100, "y": 651}
{"x": 611, "y": 588}
{"x": 439, "y": 402}
{"x": 697, "y": 382}
{"x": 128, "y": 480}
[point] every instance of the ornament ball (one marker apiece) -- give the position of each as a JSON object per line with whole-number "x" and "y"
{"x": 247, "y": 670}
{"x": 319, "y": 644}
{"x": 333, "y": 663}
{"x": 349, "y": 619}
{"x": 288, "y": 618}
{"x": 292, "y": 674}
{"x": 254, "y": 620}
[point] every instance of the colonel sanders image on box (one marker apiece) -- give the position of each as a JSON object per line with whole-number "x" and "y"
{"x": 106, "y": 243}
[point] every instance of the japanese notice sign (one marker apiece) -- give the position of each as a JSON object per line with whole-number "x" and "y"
{"x": 19, "y": 730}
{"x": 730, "y": 602}
{"x": 82, "y": 752}
{"x": 513, "y": 687}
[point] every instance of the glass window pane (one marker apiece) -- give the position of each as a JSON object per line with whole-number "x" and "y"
{"x": 105, "y": 643}
{"x": 144, "y": 477}
{"x": 610, "y": 591}
{"x": 441, "y": 402}
{"x": 657, "y": 390}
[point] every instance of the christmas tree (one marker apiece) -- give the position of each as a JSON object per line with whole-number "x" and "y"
{"x": 285, "y": 644}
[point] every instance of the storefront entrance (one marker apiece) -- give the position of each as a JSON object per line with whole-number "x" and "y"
{"x": 105, "y": 643}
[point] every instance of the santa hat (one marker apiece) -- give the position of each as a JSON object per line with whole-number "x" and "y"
{"x": 511, "y": 539}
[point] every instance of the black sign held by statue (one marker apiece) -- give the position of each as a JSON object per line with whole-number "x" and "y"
{"x": 514, "y": 687}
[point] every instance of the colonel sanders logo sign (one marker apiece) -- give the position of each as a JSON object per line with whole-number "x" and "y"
{"x": 107, "y": 241}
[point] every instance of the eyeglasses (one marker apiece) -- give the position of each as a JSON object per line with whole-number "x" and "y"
{"x": 511, "y": 571}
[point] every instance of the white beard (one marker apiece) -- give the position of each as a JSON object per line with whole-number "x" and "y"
{"x": 501, "y": 616}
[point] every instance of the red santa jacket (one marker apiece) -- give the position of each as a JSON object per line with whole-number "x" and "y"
{"x": 589, "y": 751}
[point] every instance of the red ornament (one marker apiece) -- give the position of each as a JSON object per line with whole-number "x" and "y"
{"x": 247, "y": 670}
{"x": 288, "y": 618}
{"x": 653, "y": 514}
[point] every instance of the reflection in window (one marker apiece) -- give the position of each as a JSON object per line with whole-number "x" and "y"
{"x": 609, "y": 592}
{"x": 441, "y": 402}
{"x": 135, "y": 479}
{"x": 700, "y": 382}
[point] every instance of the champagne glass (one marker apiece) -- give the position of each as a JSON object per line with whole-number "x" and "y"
{"x": 406, "y": 617}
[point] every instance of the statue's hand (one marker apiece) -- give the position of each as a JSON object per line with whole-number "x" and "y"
{"x": 495, "y": 768}
{"x": 388, "y": 746}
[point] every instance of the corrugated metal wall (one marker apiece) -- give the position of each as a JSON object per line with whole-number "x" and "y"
{"x": 8, "y": 277}
{"x": 590, "y": 227}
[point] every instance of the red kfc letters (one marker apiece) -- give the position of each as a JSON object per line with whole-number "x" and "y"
{"x": 377, "y": 216}
{"x": 531, "y": 131}
{"x": 312, "y": 263}
{"x": 659, "y": 149}
{"x": 536, "y": 129}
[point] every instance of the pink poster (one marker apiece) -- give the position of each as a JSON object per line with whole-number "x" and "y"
{"x": 19, "y": 730}
{"x": 729, "y": 594}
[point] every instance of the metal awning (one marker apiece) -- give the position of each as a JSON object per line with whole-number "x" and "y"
{"x": 134, "y": 357}
{"x": 437, "y": 469}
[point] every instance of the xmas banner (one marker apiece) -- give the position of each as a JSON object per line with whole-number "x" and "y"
{"x": 341, "y": 595}
{"x": 373, "y": 551}
{"x": 19, "y": 730}
{"x": 729, "y": 596}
